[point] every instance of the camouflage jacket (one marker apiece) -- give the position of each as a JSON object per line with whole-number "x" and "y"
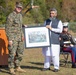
{"x": 13, "y": 26}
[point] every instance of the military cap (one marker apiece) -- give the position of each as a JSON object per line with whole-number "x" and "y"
{"x": 19, "y": 5}
{"x": 65, "y": 25}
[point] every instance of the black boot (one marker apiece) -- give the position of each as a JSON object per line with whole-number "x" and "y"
{"x": 73, "y": 65}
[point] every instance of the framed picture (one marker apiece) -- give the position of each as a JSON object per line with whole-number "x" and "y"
{"x": 37, "y": 36}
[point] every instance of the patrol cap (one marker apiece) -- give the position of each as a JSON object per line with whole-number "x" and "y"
{"x": 65, "y": 25}
{"x": 19, "y": 5}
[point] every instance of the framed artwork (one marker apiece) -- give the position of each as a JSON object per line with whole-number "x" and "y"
{"x": 37, "y": 36}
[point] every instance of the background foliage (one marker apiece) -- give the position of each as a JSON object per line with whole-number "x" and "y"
{"x": 66, "y": 10}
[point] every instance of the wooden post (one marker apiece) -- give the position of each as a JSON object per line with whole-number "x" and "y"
{"x": 3, "y": 48}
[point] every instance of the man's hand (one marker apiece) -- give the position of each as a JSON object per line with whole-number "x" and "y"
{"x": 23, "y": 38}
{"x": 71, "y": 45}
{"x": 35, "y": 6}
{"x": 25, "y": 25}
{"x": 10, "y": 43}
{"x": 49, "y": 27}
{"x": 59, "y": 38}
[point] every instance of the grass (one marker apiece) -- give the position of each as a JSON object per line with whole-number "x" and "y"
{"x": 33, "y": 61}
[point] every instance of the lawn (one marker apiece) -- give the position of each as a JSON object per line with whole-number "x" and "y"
{"x": 33, "y": 63}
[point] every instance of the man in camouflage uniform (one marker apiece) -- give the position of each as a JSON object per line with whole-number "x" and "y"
{"x": 15, "y": 43}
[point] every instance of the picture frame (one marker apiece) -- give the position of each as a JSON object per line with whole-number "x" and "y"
{"x": 36, "y": 36}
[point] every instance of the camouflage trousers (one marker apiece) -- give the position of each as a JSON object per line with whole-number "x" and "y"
{"x": 15, "y": 54}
